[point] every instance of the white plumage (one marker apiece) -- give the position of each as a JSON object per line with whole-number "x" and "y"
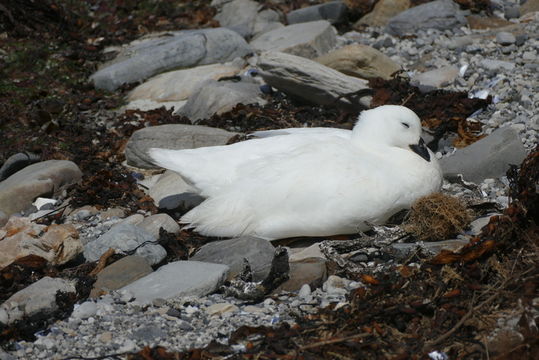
{"x": 309, "y": 182}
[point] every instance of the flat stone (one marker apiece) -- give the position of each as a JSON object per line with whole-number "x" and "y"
{"x": 309, "y": 40}
{"x": 178, "y": 279}
{"x": 171, "y": 136}
{"x": 19, "y": 190}
{"x": 39, "y": 297}
{"x": 491, "y": 64}
{"x": 21, "y": 237}
{"x": 153, "y": 223}
{"x": 382, "y": 12}
{"x": 167, "y": 51}
{"x": 221, "y": 308}
{"x": 113, "y": 213}
{"x": 459, "y": 42}
{"x": 17, "y": 162}
{"x": 312, "y": 251}
{"x": 435, "y": 79}
{"x": 134, "y": 219}
{"x": 505, "y": 38}
{"x": 124, "y": 238}
{"x": 176, "y": 86}
{"x": 310, "y": 80}
{"x": 258, "y": 252}
{"x": 360, "y": 61}
{"x": 489, "y": 157}
{"x": 439, "y": 14}
{"x": 483, "y": 23}
{"x": 332, "y": 11}
{"x": 217, "y": 97}
{"x": 266, "y": 20}
{"x": 171, "y": 192}
{"x": 312, "y": 272}
{"x": 119, "y": 274}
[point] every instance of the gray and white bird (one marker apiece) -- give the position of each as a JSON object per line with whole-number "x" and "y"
{"x": 309, "y": 181}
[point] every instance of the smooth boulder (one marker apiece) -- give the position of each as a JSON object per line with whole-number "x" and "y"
{"x": 178, "y": 279}
{"x": 259, "y": 253}
{"x": 489, "y": 157}
{"x": 171, "y": 136}
{"x": 360, "y": 61}
{"x": 218, "y": 97}
{"x": 45, "y": 178}
{"x": 439, "y": 14}
{"x": 309, "y": 40}
{"x": 172, "y": 50}
{"x": 312, "y": 81}
{"x": 129, "y": 239}
{"x": 173, "y": 88}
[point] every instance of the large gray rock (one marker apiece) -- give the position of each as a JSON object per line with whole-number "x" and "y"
{"x": 435, "y": 79}
{"x": 36, "y": 298}
{"x": 173, "y": 88}
{"x": 153, "y": 223}
{"x": 239, "y": 15}
{"x": 125, "y": 238}
{"x": 177, "y": 279}
{"x": 360, "y": 61}
{"x": 246, "y": 17}
{"x": 311, "y": 81}
{"x": 171, "y": 192}
{"x": 19, "y": 190}
{"x": 172, "y": 136}
{"x": 333, "y": 11}
{"x": 489, "y": 157}
{"x": 172, "y": 50}
{"x": 309, "y": 40}
{"x": 217, "y": 97}
{"x": 439, "y": 14}
{"x": 119, "y": 274}
{"x": 258, "y": 252}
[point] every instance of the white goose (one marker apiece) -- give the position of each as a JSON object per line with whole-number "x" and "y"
{"x": 309, "y": 182}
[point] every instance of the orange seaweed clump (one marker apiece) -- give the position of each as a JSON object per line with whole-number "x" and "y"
{"x": 437, "y": 217}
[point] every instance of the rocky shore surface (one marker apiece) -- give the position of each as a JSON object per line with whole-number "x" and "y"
{"x": 95, "y": 265}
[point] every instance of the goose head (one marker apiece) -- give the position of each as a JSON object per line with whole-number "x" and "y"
{"x": 391, "y": 125}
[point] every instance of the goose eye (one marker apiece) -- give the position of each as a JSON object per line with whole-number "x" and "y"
{"x": 405, "y": 125}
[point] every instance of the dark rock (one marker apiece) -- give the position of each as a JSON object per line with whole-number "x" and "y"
{"x": 489, "y": 157}
{"x": 259, "y": 254}
{"x": 180, "y": 49}
{"x": 439, "y": 14}
{"x": 119, "y": 274}
{"x": 17, "y": 162}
